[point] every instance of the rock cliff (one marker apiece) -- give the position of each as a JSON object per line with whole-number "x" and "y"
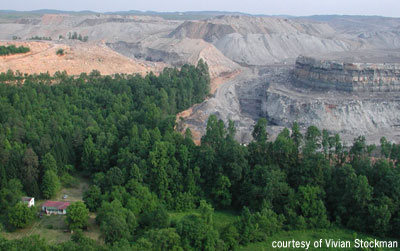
{"x": 360, "y": 77}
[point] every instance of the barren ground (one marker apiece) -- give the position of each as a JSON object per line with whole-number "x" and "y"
{"x": 79, "y": 57}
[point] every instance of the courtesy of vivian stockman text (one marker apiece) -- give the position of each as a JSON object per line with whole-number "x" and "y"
{"x": 331, "y": 243}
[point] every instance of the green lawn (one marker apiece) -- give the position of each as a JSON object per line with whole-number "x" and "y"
{"x": 74, "y": 193}
{"x": 53, "y": 229}
{"x": 221, "y": 218}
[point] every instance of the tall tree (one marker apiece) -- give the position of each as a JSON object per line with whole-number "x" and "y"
{"x": 77, "y": 216}
{"x": 50, "y": 184}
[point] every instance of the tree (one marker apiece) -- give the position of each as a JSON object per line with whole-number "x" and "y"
{"x": 50, "y": 184}
{"x": 115, "y": 177}
{"x": 296, "y": 135}
{"x": 379, "y": 218}
{"x": 206, "y": 211}
{"x": 160, "y": 160}
{"x": 116, "y": 222}
{"x": 49, "y": 163}
{"x": 311, "y": 206}
{"x": 266, "y": 183}
{"x": 220, "y": 192}
{"x": 90, "y": 156}
{"x": 20, "y": 216}
{"x": 313, "y": 139}
{"x": 92, "y": 198}
{"x": 260, "y": 130}
{"x": 77, "y": 216}
{"x": 197, "y": 234}
{"x": 268, "y": 221}
{"x": 230, "y": 236}
{"x": 258, "y": 148}
{"x": 246, "y": 226}
{"x": 157, "y": 218}
{"x": 215, "y": 132}
{"x": 164, "y": 239}
{"x": 114, "y": 228}
{"x": 30, "y": 172}
{"x": 386, "y": 147}
{"x": 10, "y": 195}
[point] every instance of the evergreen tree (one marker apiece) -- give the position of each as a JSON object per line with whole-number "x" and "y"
{"x": 50, "y": 184}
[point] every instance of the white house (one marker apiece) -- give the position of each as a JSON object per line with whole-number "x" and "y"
{"x": 29, "y": 201}
{"x": 55, "y": 207}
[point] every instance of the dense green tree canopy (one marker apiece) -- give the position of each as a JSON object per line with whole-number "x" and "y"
{"x": 77, "y": 216}
{"x": 118, "y": 132}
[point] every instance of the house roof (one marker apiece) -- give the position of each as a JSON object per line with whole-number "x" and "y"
{"x": 27, "y": 198}
{"x": 56, "y": 204}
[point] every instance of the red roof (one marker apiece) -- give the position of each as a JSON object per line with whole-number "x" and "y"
{"x": 56, "y": 204}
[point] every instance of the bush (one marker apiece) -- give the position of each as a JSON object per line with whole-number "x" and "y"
{"x": 60, "y": 52}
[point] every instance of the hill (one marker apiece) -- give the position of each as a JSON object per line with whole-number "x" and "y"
{"x": 79, "y": 57}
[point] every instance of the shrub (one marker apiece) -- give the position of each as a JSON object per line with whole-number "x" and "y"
{"x": 60, "y": 52}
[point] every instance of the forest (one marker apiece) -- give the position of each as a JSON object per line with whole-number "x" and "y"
{"x": 12, "y": 49}
{"x": 118, "y": 131}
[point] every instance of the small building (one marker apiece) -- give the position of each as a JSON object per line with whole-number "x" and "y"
{"x": 55, "y": 207}
{"x": 29, "y": 201}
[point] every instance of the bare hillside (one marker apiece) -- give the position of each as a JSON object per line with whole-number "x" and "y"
{"x": 260, "y": 41}
{"x": 79, "y": 57}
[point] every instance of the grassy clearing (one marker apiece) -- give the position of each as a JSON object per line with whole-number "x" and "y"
{"x": 221, "y": 218}
{"x": 53, "y": 227}
{"x": 75, "y": 193}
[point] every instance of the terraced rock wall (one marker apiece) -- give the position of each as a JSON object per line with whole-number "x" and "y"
{"x": 358, "y": 77}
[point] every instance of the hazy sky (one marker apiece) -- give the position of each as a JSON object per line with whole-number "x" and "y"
{"x": 269, "y": 7}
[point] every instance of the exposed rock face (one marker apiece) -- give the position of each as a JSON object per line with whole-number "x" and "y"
{"x": 370, "y": 115}
{"x": 271, "y": 94}
{"x": 202, "y": 30}
{"x": 361, "y": 77}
